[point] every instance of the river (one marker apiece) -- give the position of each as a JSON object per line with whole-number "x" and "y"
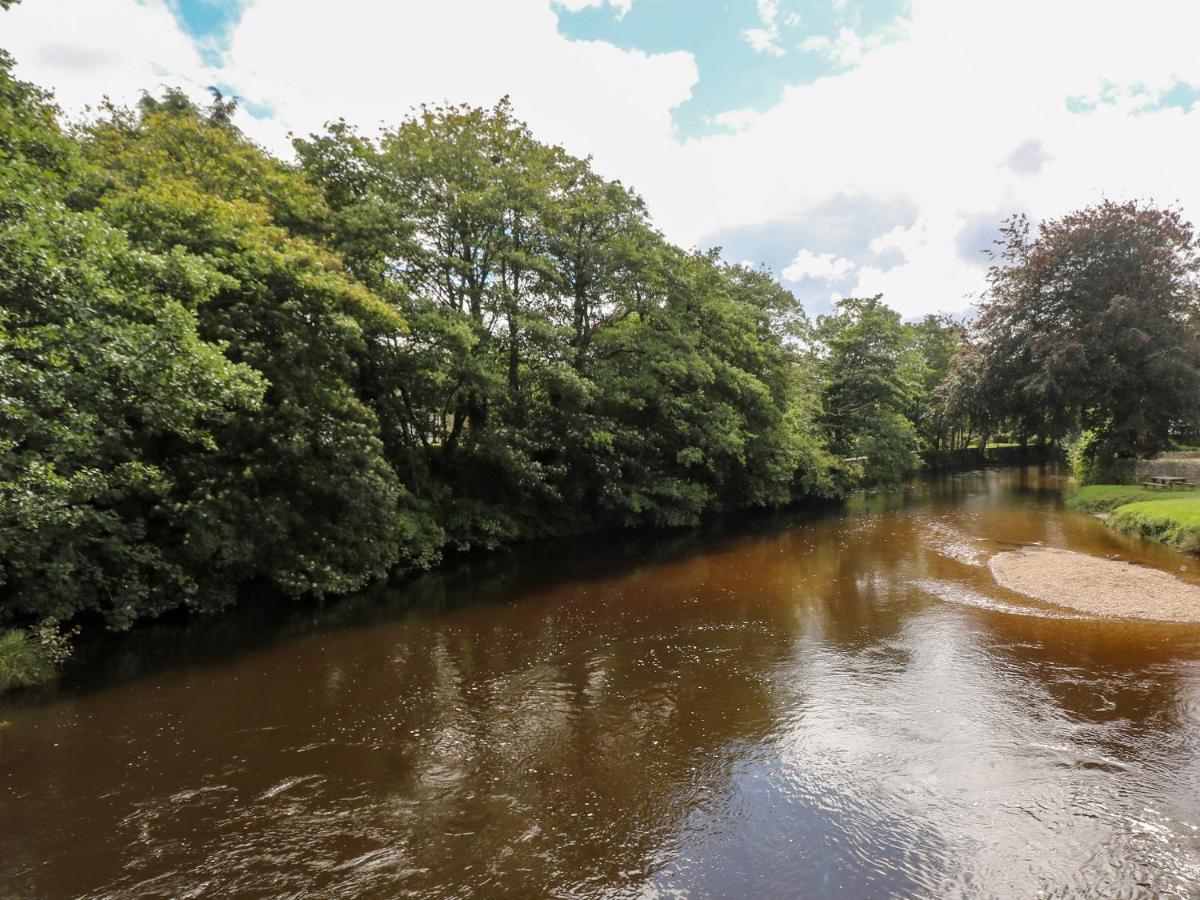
{"x": 835, "y": 704}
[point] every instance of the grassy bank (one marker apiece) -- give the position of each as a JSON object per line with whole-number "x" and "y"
{"x": 1174, "y": 521}
{"x": 1103, "y": 498}
{"x": 1170, "y": 517}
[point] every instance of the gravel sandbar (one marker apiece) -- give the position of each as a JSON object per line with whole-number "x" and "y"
{"x": 1102, "y": 587}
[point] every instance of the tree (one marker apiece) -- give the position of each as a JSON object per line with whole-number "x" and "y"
{"x": 566, "y": 367}
{"x": 934, "y": 341}
{"x": 110, "y": 398}
{"x": 301, "y": 493}
{"x": 870, "y": 376}
{"x": 1091, "y": 324}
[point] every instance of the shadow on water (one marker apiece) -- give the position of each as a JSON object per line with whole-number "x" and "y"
{"x": 499, "y": 577}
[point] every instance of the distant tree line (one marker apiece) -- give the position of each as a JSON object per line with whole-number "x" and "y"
{"x": 218, "y": 368}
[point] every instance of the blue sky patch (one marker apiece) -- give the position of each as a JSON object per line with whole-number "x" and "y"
{"x": 257, "y": 110}
{"x": 208, "y": 22}
{"x": 733, "y": 74}
{"x": 1180, "y": 95}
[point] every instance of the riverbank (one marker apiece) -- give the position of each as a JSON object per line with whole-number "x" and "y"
{"x": 1169, "y": 517}
{"x": 1099, "y": 587}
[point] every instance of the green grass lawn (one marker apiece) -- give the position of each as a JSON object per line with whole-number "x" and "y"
{"x": 1097, "y": 498}
{"x": 1171, "y": 520}
{"x": 1168, "y": 516}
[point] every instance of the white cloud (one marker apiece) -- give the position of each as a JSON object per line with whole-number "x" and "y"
{"x": 1028, "y": 157}
{"x": 85, "y": 49}
{"x": 736, "y": 119}
{"x": 380, "y": 60}
{"x": 621, "y": 6}
{"x": 820, "y": 266}
{"x": 846, "y": 48}
{"x": 934, "y": 114}
{"x": 924, "y": 281}
{"x": 765, "y": 39}
{"x": 962, "y": 112}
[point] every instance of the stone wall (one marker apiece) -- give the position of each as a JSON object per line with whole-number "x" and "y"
{"x": 1179, "y": 465}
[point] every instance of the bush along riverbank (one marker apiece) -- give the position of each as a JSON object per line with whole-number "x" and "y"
{"x": 31, "y": 657}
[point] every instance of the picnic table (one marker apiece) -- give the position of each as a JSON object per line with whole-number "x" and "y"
{"x": 1167, "y": 482}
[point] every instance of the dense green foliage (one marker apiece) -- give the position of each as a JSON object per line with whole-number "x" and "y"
{"x": 111, "y": 398}
{"x": 221, "y": 369}
{"x": 870, "y": 376}
{"x": 1089, "y": 327}
{"x": 881, "y": 382}
{"x": 1090, "y": 464}
{"x": 566, "y": 368}
{"x": 297, "y": 489}
{"x": 935, "y": 342}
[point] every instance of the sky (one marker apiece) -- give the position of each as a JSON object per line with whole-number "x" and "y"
{"x": 852, "y": 147}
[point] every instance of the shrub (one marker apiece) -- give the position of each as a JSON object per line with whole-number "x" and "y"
{"x": 22, "y": 662}
{"x": 32, "y": 657}
{"x": 1093, "y": 462}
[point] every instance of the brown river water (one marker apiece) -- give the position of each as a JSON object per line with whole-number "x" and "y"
{"x": 840, "y": 704}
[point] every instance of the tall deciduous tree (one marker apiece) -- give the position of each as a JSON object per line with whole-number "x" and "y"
{"x": 935, "y": 340}
{"x": 1091, "y": 323}
{"x": 871, "y": 375}
{"x": 301, "y": 493}
{"x": 566, "y": 367}
{"x": 112, "y": 401}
